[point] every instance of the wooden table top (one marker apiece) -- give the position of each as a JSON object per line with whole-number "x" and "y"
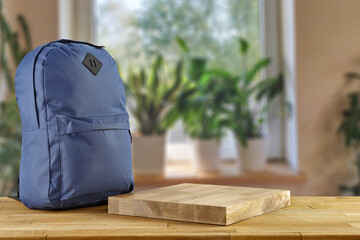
{"x": 306, "y": 218}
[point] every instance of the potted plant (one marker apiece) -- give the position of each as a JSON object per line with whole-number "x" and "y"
{"x": 151, "y": 96}
{"x": 200, "y": 108}
{"x": 203, "y": 122}
{"x": 350, "y": 129}
{"x": 247, "y": 116}
{"x": 10, "y": 121}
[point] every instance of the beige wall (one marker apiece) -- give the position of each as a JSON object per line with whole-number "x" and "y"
{"x": 327, "y": 45}
{"x": 41, "y": 16}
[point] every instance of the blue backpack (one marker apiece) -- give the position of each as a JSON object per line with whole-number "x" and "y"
{"x": 76, "y": 142}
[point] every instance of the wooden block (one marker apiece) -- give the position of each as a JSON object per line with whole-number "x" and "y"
{"x": 213, "y": 204}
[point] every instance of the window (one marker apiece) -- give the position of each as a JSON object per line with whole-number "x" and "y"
{"x": 134, "y": 32}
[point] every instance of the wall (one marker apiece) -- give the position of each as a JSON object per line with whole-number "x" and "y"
{"x": 327, "y": 45}
{"x": 41, "y": 16}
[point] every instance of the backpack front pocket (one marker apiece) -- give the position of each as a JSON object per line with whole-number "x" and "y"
{"x": 95, "y": 153}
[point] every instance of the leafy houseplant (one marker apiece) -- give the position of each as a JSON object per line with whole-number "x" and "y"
{"x": 10, "y": 121}
{"x": 10, "y": 144}
{"x": 151, "y": 96}
{"x": 201, "y": 108}
{"x": 203, "y": 115}
{"x": 350, "y": 128}
{"x": 247, "y": 115}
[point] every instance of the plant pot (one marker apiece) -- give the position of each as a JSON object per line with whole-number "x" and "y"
{"x": 207, "y": 155}
{"x": 252, "y": 157}
{"x": 148, "y": 155}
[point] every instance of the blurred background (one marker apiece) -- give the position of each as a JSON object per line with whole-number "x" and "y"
{"x": 260, "y": 93}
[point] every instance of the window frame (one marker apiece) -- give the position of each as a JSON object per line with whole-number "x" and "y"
{"x": 277, "y": 41}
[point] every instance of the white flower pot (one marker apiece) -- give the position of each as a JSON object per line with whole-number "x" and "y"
{"x": 207, "y": 155}
{"x": 148, "y": 155}
{"x": 252, "y": 157}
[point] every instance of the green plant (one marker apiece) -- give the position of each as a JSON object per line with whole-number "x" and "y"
{"x": 10, "y": 122}
{"x": 270, "y": 90}
{"x": 350, "y": 128}
{"x": 224, "y": 100}
{"x": 201, "y": 103}
{"x": 247, "y": 115}
{"x": 151, "y": 96}
{"x": 10, "y": 140}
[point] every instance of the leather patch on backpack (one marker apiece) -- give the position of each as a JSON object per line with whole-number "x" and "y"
{"x": 92, "y": 63}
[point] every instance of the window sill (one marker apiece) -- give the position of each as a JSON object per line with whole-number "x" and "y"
{"x": 178, "y": 172}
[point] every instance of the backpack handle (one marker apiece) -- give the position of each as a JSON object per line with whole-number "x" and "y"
{"x": 65, "y": 41}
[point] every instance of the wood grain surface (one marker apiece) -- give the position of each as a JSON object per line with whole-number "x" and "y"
{"x": 306, "y": 218}
{"x": 202, "y": 203}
